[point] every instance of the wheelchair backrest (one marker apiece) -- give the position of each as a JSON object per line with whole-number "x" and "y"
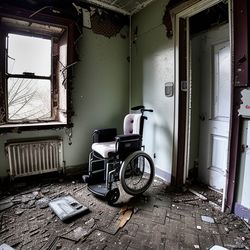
{"x": 132, "y": 124}
{"x": 125, "y": 145}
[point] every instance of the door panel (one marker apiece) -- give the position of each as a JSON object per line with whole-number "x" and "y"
{"x": 221, "y": 105}
{"x": 215, "y": 107}
{"x": 218, "y": 160}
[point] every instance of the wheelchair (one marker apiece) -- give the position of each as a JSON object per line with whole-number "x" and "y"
{"x": 120, "y": 158}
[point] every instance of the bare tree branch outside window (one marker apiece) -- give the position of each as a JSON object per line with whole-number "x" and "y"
{"x": 28, "y": 99}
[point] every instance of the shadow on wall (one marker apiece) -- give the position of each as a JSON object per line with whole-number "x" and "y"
{"x": 163, "y": 148}
{"x": 158, "y": 144}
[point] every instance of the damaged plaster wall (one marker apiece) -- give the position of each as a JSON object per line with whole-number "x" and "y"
{"x": 100, "y": 97}
{"x": 152, "y": 67}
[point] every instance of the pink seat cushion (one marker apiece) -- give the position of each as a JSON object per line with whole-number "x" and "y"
{"x": 104, "y": 148}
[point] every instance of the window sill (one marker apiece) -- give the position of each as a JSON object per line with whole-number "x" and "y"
{"x": 31, "y": 126}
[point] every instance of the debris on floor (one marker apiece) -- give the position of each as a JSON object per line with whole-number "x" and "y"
{"x": 6, "y": 247}
{"x": 197, "y": 194}
{"x": 66, "y": 207}
{"x": 6, "y": 203}
{"x": 216, "y": 206}
{"x": 162, "y": 218}
{"x": 77, "y": 234}
{"x": 207, "y": 219}
{"x": 125, "y": 215}
{"x": 186, "y": 200}
{"x": 90, "y": 222}
{"x": 248, "y": 225}
{"x": 216, "y": 247}
{"x": 43, "y": 202}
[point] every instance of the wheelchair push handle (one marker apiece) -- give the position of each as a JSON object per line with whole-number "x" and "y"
{"x": 142, "y": 109}
{"x": 148, "y": 110}
{"x": 137, "y": 107}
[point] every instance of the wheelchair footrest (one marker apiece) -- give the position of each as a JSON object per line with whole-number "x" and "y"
{"x": 99, "y": 189}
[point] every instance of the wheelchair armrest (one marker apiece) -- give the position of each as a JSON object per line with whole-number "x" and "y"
{"x": 127, "y": 137}
{"x": 104, "y": 135}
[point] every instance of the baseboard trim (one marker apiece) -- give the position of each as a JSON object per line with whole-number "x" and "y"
{"x": 242, "y": 212}
{"x": 77, "y": 169}
{"x": 163, "y": 175}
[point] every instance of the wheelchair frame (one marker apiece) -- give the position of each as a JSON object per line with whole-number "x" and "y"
{"x": 103, "y": 172}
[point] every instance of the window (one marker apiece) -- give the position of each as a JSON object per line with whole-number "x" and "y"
{"x": 33, "y": 79}
{"x": 28, "y": 79}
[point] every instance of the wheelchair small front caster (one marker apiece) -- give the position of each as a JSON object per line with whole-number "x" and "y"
{"x": 86, "y": 178}
{"x": 113, "y": 196}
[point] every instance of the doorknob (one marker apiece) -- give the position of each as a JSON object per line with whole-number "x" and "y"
{"x": 202, "y": 116}
{"x": 242, "y": 148}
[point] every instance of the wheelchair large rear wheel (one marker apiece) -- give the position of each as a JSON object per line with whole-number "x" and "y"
{"x": 137, "y": 173}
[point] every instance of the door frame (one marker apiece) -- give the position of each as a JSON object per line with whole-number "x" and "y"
{"x": 181, "y": 145}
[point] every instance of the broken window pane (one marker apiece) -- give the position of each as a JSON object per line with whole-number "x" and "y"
{"x": 29, "y": 99}
{"x": 29, "y": 54}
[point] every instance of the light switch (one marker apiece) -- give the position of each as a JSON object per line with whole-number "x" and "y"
{"x": 169, "y": 89}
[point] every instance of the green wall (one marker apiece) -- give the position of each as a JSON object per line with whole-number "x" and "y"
{"x": 152, "y": 67}
{"x": 100, "y": 96}
{"x": 101, "y": 90}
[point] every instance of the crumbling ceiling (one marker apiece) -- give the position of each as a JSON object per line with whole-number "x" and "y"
{"x": 126, "y": 7}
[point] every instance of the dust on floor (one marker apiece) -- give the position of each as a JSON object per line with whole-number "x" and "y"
{"x": 163, "y": 218}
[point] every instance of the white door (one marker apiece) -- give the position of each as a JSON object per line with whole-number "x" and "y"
{"x": 215, "y": 91}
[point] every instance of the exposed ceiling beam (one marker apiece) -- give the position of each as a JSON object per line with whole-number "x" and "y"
{"x": 107, "y": 6}
{"x": 141, "y": 6}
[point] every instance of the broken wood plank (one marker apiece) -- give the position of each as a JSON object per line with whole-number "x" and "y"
{"x": 197, "y": 194}
{"x": 79, "y": 189}
{"x": 216, "y": 206}
{"x": 247, "y": 225}
{"x": 124, "y": 218}
{"x": 76, "y": 234}
{"x": 34, "y": 232}
{"x": 186, "y": 200}
{"x": 1, "y": 222}
{"x": 7, "y": 237}
{"x": 119, "y": 222}
{"x": 52, "y": 241}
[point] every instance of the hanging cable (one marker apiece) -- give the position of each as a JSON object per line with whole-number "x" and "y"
{"x": 69, "y": 133}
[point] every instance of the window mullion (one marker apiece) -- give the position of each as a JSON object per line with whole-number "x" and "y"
{"x": 28, "y": 76}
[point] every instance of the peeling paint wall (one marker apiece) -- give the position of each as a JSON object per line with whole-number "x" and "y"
{"x": 100, "y": 96}
{"x": 152, "y": 67}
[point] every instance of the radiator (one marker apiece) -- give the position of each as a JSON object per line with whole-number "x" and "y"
{"x": 35, "y": 157}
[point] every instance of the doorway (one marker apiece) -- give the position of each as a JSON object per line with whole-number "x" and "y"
{"x": 208, "y": 93}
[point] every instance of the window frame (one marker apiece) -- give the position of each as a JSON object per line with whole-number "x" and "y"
{"x": 26, "y": 76}
{"x": 69, "y": 27}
